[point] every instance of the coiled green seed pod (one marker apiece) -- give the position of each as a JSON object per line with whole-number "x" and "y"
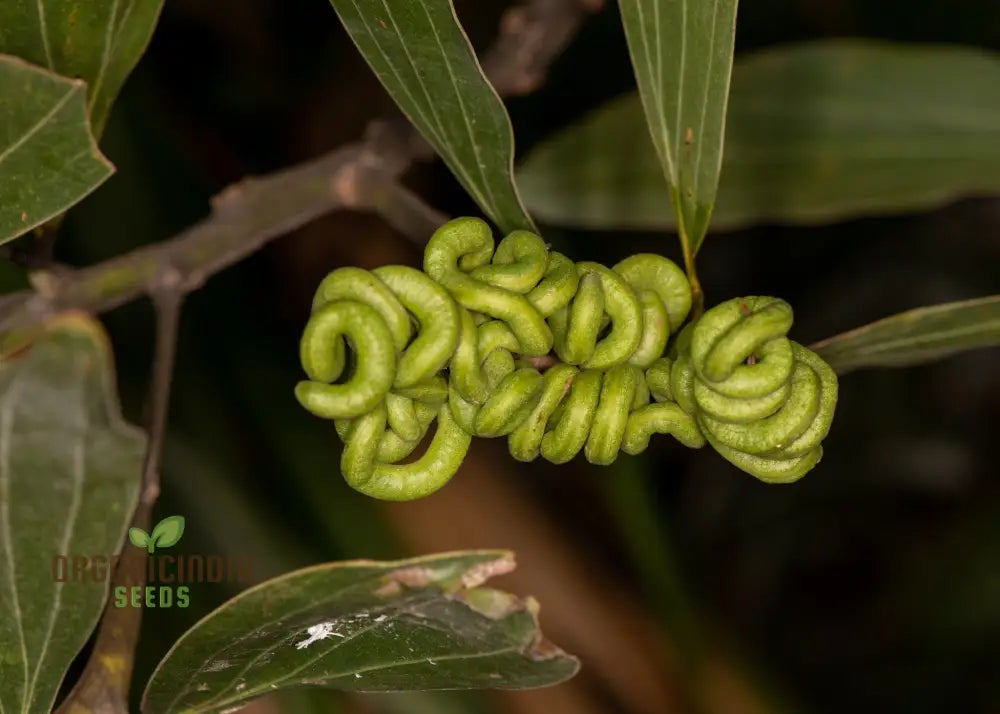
{"x": 609, "y": 322}
{"x": 763, "y": 401}
{"x": 388, "y": 352}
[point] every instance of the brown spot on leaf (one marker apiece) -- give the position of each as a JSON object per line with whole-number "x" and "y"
{"x": 413, "y": 577}
{"x": 481, "y": 572}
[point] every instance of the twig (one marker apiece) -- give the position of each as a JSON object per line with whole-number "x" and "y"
{"x": 168, "y": 312}
{"x": 532, "y": 35}
{"x": 244, "y": 218}
{"x": 104, "y": 685}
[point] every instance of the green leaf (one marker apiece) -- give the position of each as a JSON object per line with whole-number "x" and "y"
{"x": 168, "y": 531}
{"x": 70, "y": 470}
{"x": 422, "y": 623}
{"x": 915, "y": 336}
{"x": 421, "y": 54}
{"x": 817, "y": 132}
{"x": 98, "y": 41}
{"x": 138, "y": 537}
{"x": 682, "y": 54}
{"x": 48, "y": 157}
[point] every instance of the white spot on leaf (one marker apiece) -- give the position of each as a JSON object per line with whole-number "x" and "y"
{"x": 316, "y": 633}
{"x": 218, "y": 665}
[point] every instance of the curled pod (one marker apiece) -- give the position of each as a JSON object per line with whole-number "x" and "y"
{"x": 370, "y": 448}
{"x": 643, "y": 299}
{"x": 373, "y": 349}
{"x": 359, "y": 341}
{"x": 665, "y": 296}
{"x": 763, "y": 401}
{"x": 599, "y": 412}
{"x": 458, "y": 257}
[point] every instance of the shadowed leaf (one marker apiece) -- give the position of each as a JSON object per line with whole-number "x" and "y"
{"x": 422, "y": 623}
{"x": 915, "y": 336}
{"x": 816, "y": 132}
{"x": 69, "y": 477}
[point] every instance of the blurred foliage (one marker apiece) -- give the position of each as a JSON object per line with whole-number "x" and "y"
{"x": 816, "y": 132}
{"x": 869, "y": 586}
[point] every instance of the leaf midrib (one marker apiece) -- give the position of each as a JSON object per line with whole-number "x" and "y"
{"x": 76, "y": 501}
{"x": 109, "y": 42}
{"x": 439, "y": 131}
{"x": 376, "y": 667}
{"x": 924, "y": 340}
{"x": 6, "y": 429}
{"x": 43, "y": 31}
{"x": 38, "y": 125}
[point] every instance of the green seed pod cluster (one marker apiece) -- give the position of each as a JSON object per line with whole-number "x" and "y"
{"x": 764, "y": 402}
{"x": 465, "y": 344}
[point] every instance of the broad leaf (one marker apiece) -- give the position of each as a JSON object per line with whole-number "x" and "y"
{"x": 362, "y": 625}
{"x": 422, "y": 56}
{"x": 817, "y": 132}
{"x": 915, "y": 336}
{"x": 48, "y": 157}
{"x": 682, "y": 54}
{"x": 69, "y": 477}
{"x": 98, "y": 41}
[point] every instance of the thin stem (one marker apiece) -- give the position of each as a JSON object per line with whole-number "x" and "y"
{"x": 168, "y": 310}
{"x": 697, "y": 295}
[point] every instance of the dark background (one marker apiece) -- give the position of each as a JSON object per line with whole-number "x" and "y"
{"x": 682, "y": 583}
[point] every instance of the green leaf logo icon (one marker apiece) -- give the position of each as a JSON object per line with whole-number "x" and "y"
{"x": 139, "y": 538}
{"x": 165, "y": 534}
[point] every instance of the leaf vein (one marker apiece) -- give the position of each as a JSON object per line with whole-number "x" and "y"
{"x": 461, "y": 103}
{"x": 6, "y": 430}
{"x": 38, "y": 125}
{"x": 76, "y": 500}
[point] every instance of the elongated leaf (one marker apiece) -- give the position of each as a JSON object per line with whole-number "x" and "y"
{"x": 98, "y": 41}
{"x": 69, "y": 476}
{"x": 48, "y": 157}
{"x": 817, "y": 132}
{"x": 422, "y": 56}
{"x": 682, "y": 54}
{"x": 915, "y": 336}
{"x": 365, "y": 626}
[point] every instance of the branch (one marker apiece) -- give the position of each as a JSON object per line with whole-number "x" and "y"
{"x": 244, "y": 217}
{"x": 532, "y": 35}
